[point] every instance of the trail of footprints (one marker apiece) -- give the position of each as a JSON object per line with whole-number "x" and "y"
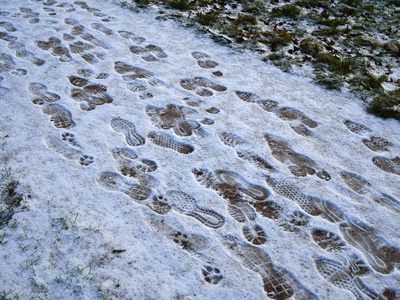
{"x": 136, "y": 177}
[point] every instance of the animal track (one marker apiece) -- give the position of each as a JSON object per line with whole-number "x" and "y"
{"x": 172, "y": 117}
{"x": 195, "y": 83}
{"x": 60, "y": 116}
{"x": 127, "y": 128}
{"x": 203, "y": 60}
{"x": 163, "y": 140}
{"x": 69, "y": 138}
{"x": 187, "y": 205}
{"x": 146, "y": 53}
{"x": 337, "y": 274}
{"x": 57, "y": 145}
{"x": 57, "y": 49}
{"x": 211, "y": 274}
{"x": 113, "y": 182}
{"x": 41, "y": 94}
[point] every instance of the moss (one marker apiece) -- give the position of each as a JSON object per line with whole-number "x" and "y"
{"x": 386, "y": 105}
{"x": 244, "y": 19}
{"x": 288, "y": 10}
{"x": 180, "y": 4}
{"x": 207, "y": 19}
{"x": 332, "y": 22}
{"x": 276, "y": 56}
{"x": 336, "y": 63}
{"x": 329, "y": 81}
{"x": 353, "y": 3}
{"x": 311, "y": 47}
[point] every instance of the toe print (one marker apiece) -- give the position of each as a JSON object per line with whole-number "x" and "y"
{"x": 211, "y": 274}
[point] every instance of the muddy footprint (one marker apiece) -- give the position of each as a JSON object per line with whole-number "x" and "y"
{"x": 60, "y": 116}
{"x": 165, "y": 141}
{"x": 127, "y": 128}
{"x": 203, "y": 60}
{"x": 41, "y": 94}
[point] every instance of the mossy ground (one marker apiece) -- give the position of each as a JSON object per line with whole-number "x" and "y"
{"x": 349, "y": 43}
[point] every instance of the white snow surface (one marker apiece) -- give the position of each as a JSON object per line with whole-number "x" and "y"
{"x": 66, "y": 244}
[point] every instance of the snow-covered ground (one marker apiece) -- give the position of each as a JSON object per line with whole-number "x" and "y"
{"x": 158, "y": 165}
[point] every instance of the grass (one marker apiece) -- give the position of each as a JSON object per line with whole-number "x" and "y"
{"x": 10, "y": 201}
{"x": 338, "y": 39}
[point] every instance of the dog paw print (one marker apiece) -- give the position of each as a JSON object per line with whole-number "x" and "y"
{"x": 69, "y": 138}
{"x": 211, "y": 274}
{"x": 182, "y": 240}
{"x": 86, "y": 160}
{"x": 299, "y": 219}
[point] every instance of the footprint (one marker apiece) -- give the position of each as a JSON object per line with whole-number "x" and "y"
{"x": 337, "y": 274}
{"x": 131, "y": 36}
{"x": 187, "y": 205}
{"x": 7, "y": 64}
{"x": 356, "y": 128}
{"x": 278, "y": 283}
{"x": 387, "y": 164}
{"x": 311, "y": 205}
{"x": 67, "y": 6}
{"x": 41, "y": 94}
{"x": 80, "y": 47}
{"x": 254, "y": 235}
{"x": 231, "y": 139}
{"x": 125, "y": 156}
{"x": 57, "y": 49}
{"x": 212, "y": 274}
{"x": 8, "y": 26}
{"x": 3, "y": 92}
{"x": 207, "y": 121}
{"x": 298, "y": 164}
{"x": 102, "y": 76}
{"x": 268, "y": 209}
{"x": 284, "y": 113}
{"x": 328, "y": 241}
{"x": 60, "y": 116}
{"x": 49, "y": 11}
{"x": 254, "y": 159}
{"x": 86, "y": 73}
{"x": 173, "y": 117}
{"x": 163, "y": 140}
{"x": 203, "y": 60}
{"x": 195, "y": 83}
{"x": 100, "y": 27}
{"x": 21, "y": 53}
{"x": 377, "y": 143}
{"x": 132, "y": 138}
{"x": 113, "y": 182}
{"x": 381, "y": 256}
{"x": 213, "y": 110}
{"x": 8, "y": 38}
{"x": 159, "y": 205}
{"x": 57, "y": 145}
{"x": 146, "y": 53}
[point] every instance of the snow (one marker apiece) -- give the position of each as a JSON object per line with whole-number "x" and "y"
{"x": 63, "y": 246}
